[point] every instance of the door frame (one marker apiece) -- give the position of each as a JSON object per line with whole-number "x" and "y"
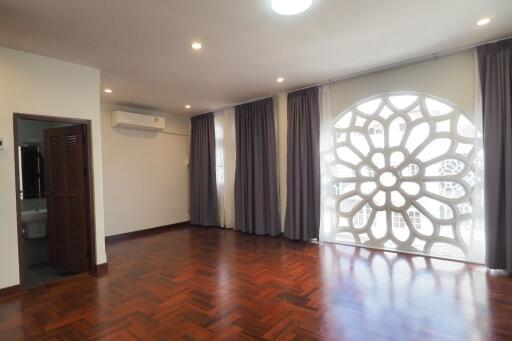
{"x": 89, "y": 186}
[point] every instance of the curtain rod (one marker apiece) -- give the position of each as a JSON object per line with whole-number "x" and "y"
{"x": 405, "y": 62}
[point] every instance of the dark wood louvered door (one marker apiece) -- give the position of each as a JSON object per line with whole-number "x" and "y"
{"x": 66, "y": 198}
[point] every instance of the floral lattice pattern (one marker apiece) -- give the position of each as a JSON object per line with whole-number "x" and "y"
{"x": 400, "y": 174}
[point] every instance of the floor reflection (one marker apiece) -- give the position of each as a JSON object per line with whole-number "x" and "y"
{"x": 409, "y": 297}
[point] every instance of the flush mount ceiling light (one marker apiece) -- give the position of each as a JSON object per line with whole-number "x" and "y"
{"x": 196, "y": 45}
{"x": 290, "y": 7}
{"x": 108, "y": 91}
{"x": 280, "y": 80}
{"x": 483, "y": 21}
{"x": 188, "y": 106}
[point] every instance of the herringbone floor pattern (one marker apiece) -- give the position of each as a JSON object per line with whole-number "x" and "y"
{"x": 202, "y": 284}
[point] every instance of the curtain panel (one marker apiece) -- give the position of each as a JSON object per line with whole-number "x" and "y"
{"x": 225, "y": 158}
{"x": 302, "y": 220}
{"x": 203, "y": 191}
{"x": 495, "y": 64}
{"x": 256, "y": 184}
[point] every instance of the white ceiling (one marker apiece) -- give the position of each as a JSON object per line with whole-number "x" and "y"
{"x": 143, "y": 47}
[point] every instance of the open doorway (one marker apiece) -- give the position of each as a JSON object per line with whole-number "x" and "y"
{"x": 54, "y": 198}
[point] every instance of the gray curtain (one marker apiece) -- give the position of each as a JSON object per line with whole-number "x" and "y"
{"x": 495, "y": 65}
{"x": 203, "y": 188}
{"x": 302, "y": 221}
{"x": 256, "y": 190}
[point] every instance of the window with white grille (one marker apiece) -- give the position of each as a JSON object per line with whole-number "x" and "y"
{"x": 401, "y": 174}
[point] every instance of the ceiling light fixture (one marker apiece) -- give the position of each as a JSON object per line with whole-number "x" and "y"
{"x": 483, "y": 21}
{"x": 290, "y": 7}
{"x": 196, "y": 45}
{"x": 188, "y": 106}
{"x": 108, "y": 91}
{"x": 280, "y": 80}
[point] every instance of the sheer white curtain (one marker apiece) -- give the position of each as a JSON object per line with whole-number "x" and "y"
{"x": 281, "y": 114}
{"x": 476, "y": 244}
{"x": 225, "y": 147}
{"x": 328, "y": 214}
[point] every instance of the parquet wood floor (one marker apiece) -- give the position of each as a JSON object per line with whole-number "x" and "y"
{"x": 195, "y": 283}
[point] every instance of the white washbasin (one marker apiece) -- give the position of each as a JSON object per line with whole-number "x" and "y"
{"x": 34, "y": 223}
{"x": 33, "y": 216}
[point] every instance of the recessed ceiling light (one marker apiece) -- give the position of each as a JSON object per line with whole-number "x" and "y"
{"x": 483, "y": 21}
{"x": 188, "y": 106}
{"x": 108, "y": 91}
{"x": 280, "y": 80}
{"x": 290, "y": 7}
{"x": 196, "y": 45}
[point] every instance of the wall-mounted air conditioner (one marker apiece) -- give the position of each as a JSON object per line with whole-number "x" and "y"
{"x": 123, "y": 119}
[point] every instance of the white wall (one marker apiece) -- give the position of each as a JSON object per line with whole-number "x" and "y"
{"x": 38, "y": 85}
{"x": 146, "y": 174}
{"x": 451, "y": 78}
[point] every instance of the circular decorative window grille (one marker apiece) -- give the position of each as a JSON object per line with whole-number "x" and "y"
{"x": 400, "y": 175}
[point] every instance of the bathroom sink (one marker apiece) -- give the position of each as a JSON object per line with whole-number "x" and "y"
{"x": 33, "y": 216}
{"x": 34, "y": 224}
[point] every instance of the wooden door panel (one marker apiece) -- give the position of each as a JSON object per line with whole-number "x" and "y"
{"x": 67, "y": 219}
{"x": 58, "y": 231}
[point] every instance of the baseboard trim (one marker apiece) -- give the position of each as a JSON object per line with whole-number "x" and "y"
{"x": 10, "y": 290}
{"x": 143, "y": 233}
{"x": 101, "y": 269}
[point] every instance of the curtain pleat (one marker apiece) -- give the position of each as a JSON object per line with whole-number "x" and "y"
{"x": 302, "y": 220}
{"x": 256, "y": 187}
{"x": 203, "y": 191}
{"x": 495, "y": 64}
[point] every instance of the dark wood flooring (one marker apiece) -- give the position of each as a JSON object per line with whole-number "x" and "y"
{"x": 201, "y": 284}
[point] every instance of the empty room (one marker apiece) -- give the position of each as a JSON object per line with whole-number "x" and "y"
{"x": 255, "y": 170}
